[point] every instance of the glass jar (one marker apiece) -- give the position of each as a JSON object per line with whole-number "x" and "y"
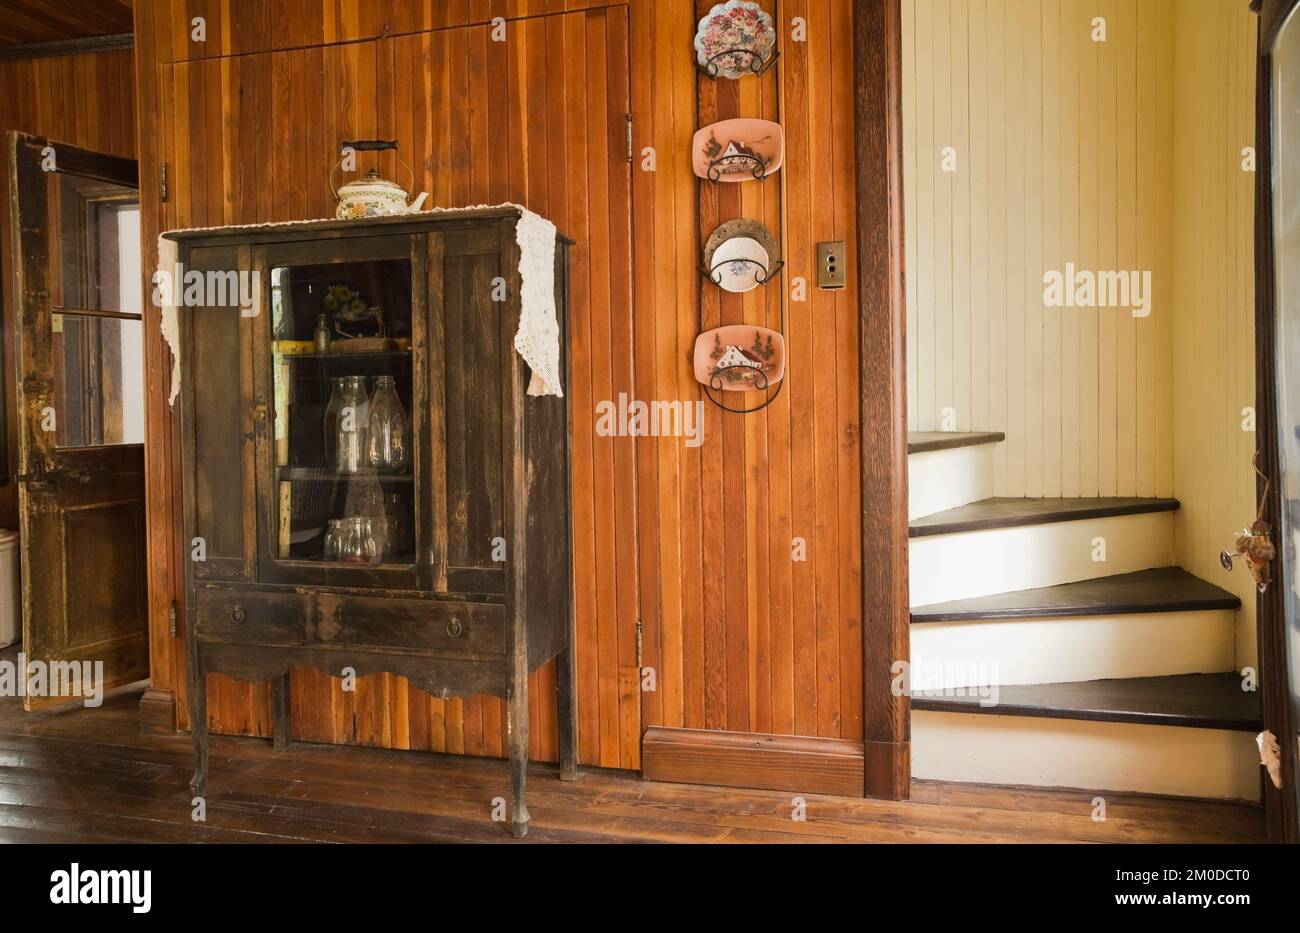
{"x": 350, "y": 433}
{"x": 357, "y": 541}
{"x": 387, "y": 444}
{"x": 332, "y": 539}
{"x": 374, "y": 513}
{"x": 332, "y": 419}
{"x": 395, "y": 524}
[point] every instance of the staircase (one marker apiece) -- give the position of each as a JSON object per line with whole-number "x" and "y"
{"x": 1054, "y": 643}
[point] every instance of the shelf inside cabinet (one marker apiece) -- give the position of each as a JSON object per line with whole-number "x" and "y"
{"x": 360, "y": 357}
{"x": 309, "y": 474}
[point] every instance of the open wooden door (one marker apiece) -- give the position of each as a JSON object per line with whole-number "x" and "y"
{"x": 80, "y": 403}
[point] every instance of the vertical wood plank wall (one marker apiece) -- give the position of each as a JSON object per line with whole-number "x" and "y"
{"x": 1214, "y": 342}
{"x": 1063, "y": 154}
{"x": 83, "y": 100}
{"x": 694, "y": 542}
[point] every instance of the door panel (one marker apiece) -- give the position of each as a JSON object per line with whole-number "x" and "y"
{"x": 474, "y": 342}
{"x": 81, "y": 408}
{"x": 218, "y": 339}
{"x": 1285, "y": 163}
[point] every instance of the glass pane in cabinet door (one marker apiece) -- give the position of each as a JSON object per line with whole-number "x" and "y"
{"x": 345, "y": 471}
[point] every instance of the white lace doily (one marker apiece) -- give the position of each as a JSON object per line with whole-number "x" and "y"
{"x": 537, "y": 337}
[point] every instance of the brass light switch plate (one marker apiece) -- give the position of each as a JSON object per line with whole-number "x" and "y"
{"x": 831, "y": 267}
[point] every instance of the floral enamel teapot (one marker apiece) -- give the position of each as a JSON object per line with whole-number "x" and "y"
{"x": 372, "y": 195}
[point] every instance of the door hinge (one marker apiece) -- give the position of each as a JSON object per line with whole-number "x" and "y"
{"x": 629, "y": 137}
{"x": 162, "y": 181}
{"x": 171, "y": 619}
{"x": 639, "y": 627}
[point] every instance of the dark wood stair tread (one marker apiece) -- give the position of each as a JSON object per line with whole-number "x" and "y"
{"x": 1205, "y": 701}
{"x": 1002, "y": 512}
{"x": 1165, "y": 589}
{"x": 923, "y": 441}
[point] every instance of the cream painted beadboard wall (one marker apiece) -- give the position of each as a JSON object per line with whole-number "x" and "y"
{"x": 1214, "y": 292}
{"x": 1123, "y": 154}
{"x": 1063, "y": 154}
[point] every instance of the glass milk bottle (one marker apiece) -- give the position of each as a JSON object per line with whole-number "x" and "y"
{"x": 350, "y": 435}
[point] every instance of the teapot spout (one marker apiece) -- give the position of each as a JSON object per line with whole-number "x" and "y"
{"x": 418, "y": 202}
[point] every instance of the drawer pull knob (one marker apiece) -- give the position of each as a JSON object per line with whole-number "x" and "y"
{"x": 455, "y": 628}
{"x": 237, "y": 615}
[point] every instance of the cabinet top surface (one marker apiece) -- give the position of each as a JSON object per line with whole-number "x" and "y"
{"x": 393, "y": 224}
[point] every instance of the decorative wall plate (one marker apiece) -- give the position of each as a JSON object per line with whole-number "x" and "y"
{"x": 739, "y": 358}
{"x": 738, "y": 150}
{"x": 735, "y": 39}
{"x": 739, "y": 264}
{"x": 742, "y": 227}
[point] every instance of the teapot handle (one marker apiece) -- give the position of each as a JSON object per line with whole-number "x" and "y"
{"x": 369, "y": 145}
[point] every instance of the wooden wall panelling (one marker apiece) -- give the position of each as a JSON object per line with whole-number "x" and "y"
{"x": 241, "y": 27}
{"x": 161, "y": 453}
{"x": 695, "y": 541}
{"x": 747, "y": 639}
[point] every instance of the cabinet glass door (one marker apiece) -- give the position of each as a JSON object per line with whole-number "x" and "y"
{"x": 342, "y": 439}
{"x": 1286, "y": 245}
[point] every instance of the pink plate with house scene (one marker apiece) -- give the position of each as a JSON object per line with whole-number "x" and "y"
{"x": 738, "y": 150}
{"x": 739, "y": 358}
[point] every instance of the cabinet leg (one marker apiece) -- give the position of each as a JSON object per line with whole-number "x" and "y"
{"x": 566, "y": 708}
{"x": 199, "y": 730}
{"x": 280, "y": 719}
{"x": 517, "y": 713}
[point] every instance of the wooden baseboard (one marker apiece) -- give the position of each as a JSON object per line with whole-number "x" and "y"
{"x": 800, "y": 764}
{"x": 157, "y": 712}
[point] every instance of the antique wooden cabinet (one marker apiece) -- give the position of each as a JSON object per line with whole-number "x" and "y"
{"x": 367, "y": 484}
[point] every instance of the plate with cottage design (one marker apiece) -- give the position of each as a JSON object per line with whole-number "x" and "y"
{"x": 739, "y": 358}
{"x": 738, "y": 150}
{"x": 735, "y": 39}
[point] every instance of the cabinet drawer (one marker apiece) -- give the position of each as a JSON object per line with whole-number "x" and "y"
{"x": 449, "y": 629}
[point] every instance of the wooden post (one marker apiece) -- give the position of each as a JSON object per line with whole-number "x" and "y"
{"x": 878, "y": 140}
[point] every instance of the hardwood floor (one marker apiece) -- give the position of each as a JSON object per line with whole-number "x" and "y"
{"x": 88, "y": 775}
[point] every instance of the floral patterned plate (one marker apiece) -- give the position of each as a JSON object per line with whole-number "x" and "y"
{"x": 739, "y": 358}
{"x": 736, "y": 39}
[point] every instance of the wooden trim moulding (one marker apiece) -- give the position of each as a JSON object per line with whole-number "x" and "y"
{"x": 878, "y": 141}
{"x": 799, "y": 764}
{"x": 57, "y": 47}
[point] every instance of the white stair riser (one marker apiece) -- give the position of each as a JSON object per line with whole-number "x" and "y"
{"x": 1094, "y": 756}
{"x": 1002, "y": 560}
{"x": 1050, "y": 651}
{"x": 944, "y": 479}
